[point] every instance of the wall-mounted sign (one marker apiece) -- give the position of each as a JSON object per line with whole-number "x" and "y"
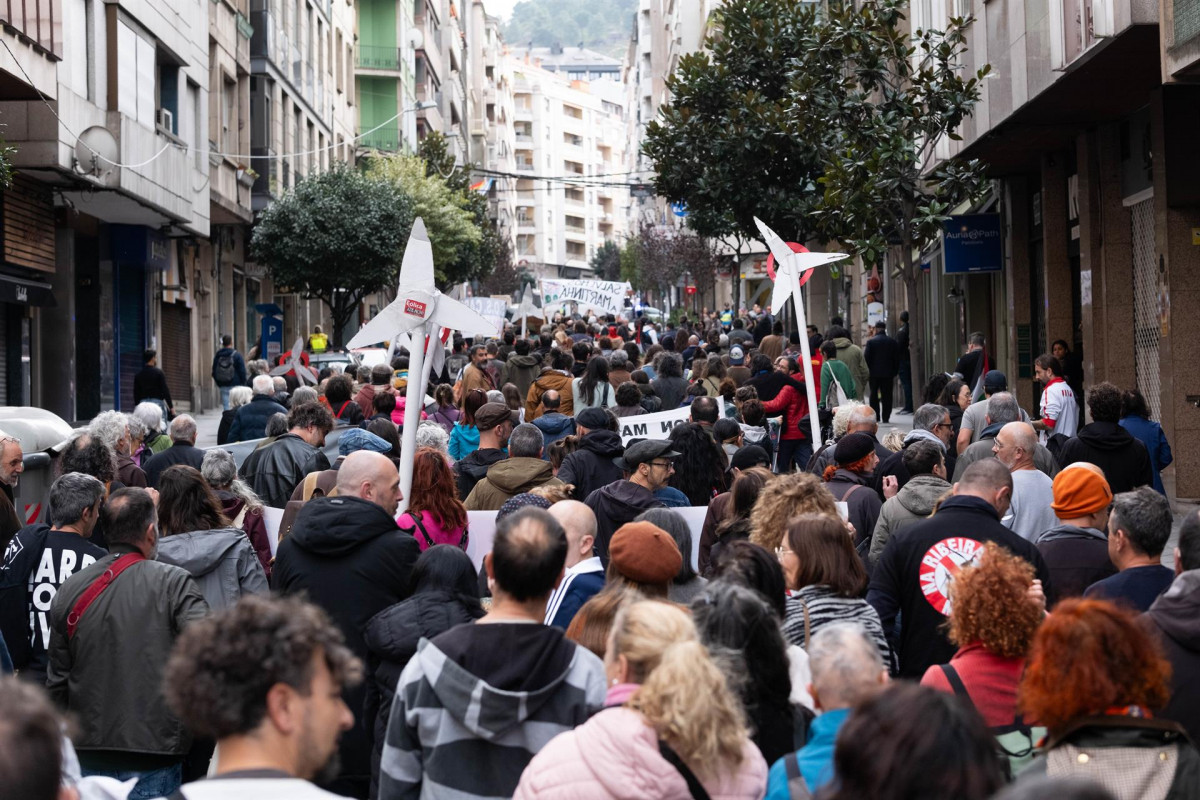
{"x": 972, "y": 243}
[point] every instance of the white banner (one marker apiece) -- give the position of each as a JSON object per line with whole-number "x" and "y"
{"x": 652, "y": 426}
{"x": 489, "y": 308}
{"x": 603, "y": 296}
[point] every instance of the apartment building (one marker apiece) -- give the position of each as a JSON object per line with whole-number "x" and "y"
{"x": 385, "y": 75}
{"x": 570, "y": 138}
{"x": 303, "y": 118}
{"x": 490, "y": 111}
{"x": 440, "y": 72}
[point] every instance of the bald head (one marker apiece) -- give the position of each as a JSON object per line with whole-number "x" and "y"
{"x": 579, "y": 523}
{"x": 1014, "y": 446}
{"x": 551, "y": 400}
{"x": 371, "y": 477}
{"x": 862, "y": 419}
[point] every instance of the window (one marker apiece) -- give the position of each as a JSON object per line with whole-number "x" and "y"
{"x": 229, "y": 97}
{"x": 136, "y": 73}
{"x": 168, "y": 96}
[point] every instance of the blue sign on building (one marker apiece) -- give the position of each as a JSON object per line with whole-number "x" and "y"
{"x": 973, "y": 243}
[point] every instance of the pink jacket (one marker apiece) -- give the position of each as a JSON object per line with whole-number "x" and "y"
{"x": 436, "y": 532}
{"x": 398, "y": 413}
{"x": 622, "y": 761}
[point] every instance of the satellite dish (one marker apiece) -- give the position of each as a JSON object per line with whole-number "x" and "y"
{"x": 96, "y": 151}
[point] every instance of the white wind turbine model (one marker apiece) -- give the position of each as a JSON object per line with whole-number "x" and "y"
{"x": 303, "y": 374}
{"x": 790, "y": 266}
{"x": 419, "y": 309}
{"x": 526, "y": 310}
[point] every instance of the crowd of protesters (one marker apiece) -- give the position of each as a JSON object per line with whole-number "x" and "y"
{"x": 975, "y": 608}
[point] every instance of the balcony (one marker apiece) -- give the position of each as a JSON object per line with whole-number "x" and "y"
{"x": 267, "y": 187}
{"x": 385, "y": 139}
{"x": 390, "y": 59}
{"x": 268, "y": 39}
{"x": 524, "y": 167}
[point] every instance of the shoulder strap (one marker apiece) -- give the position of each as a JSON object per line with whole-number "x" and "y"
{"x": 416, "y": 518}
{"x": 850, "y": 491}
{"x": 797, "y": 786}
{"x": 97, "y": 588}
{"x": 310, "y": 486}
{"x": 956, "y": 683}
{"x": 695, "y": 788}
{"x": 807, "y": 621}
{"x": 342, "y": 410}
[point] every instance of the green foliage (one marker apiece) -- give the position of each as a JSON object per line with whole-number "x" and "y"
{"x": 607, "y": 261}
{"x": 600, "y": 26}
{"x": 446, "y": 212}
{"x": 337, "y": 237}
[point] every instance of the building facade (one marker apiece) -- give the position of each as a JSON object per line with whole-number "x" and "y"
{"x": 384, "y": 75}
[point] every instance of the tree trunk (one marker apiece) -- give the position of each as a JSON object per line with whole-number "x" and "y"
{"x": 911, "y": 273}
{"x": 736, "y": 277}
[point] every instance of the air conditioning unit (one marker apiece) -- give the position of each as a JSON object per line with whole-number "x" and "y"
{"x": 166, "y": 119}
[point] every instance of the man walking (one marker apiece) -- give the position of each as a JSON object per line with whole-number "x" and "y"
{"x": 583, "y": 574}
{"x": 228, "y": 369}
{"x": 476, "y": 374}
{"x": 12, "y": 464}
{"x": 250, "y": 421}
{"x": 499, "y": 689}
{"x": 649, "y": 465}
{"x": 883, "y": 362}
{"x": 183, "y": 450}
{"x": 275, "y": 470}
{"x": 1059, "y": 412}
{"x": 1139, "y": 526}
{"x": 112, "y": 627}
{"x": 1031, "y": 511}
{"x": 522, "y": 471}
{"x": 150, "y": 383}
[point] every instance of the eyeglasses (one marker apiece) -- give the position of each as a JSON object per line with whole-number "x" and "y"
{"x": 782, "y": 551}
{"x": 667, "y": 464}
{"x": 943, "y": 425}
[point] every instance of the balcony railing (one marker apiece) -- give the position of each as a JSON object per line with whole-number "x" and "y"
{"x": 376, "y": 57}
{"x": 386, "y": 139}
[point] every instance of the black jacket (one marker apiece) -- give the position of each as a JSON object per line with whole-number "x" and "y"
{"x": 178, "y": 453}
{"x": 226, "y": 423}
{"x": 591, "y": 466}
{"x": 349, "y": 557}
{"x": 1123, "y": 458}
{"x": 913, "y": 576}
{"x": 614, "y": 505}
{"x": 1175, "y": 616}
{"x": 670, "y": 391}
{"x": 1076, "y": 557}
{"x": 150, "y": 383}
{"x": 883, "y": 356}
{"x": 391, "y": 637}
{"x": 275, "y": 470}
{"x": 862, "y": 504}
{"x": 470, "y": 470}
{"x": 250, "y": 421}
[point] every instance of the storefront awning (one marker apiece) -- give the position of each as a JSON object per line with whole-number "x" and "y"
{"x": 26, "y": 292}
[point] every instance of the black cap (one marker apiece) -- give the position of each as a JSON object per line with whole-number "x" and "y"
{"x": 643, "y": 451}
{"x": 593, "y": 419}
{"x": 750, "y": 456}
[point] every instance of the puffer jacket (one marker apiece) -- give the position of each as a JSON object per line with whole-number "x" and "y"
{"x": 109, "y": 676}
{"x": 508, "y": 478}
{"x": 222, "y": 561}
{"x": 523, "y": 371}
{"x": 591, "y": 466}
{"x": 391, "y": 637}
{"x": 852, "y": 356}
{"x": 909, "y": 506}
{"x": 615, "y": 756}
{"x": 250, "y": 422}
{"x": 549, "y": 379}
{"x": 273, "y": 471}
{"x": 554, "y": 426}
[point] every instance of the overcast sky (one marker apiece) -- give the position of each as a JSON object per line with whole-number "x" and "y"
{"x": 500, "y": 8}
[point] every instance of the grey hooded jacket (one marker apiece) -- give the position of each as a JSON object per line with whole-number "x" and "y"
{"x": 913, "y": 503}
{"x": 222, "y": 562}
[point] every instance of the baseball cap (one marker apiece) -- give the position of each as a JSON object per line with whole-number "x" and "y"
{"x": 737, "y": 355}
{"x": 995, "y": 380}
{"x": 644, "y": 451}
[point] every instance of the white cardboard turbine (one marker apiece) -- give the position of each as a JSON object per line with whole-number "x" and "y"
{"x": 789, "y": 267}
{"x": 303, "y": 374}
{"x": 420, "y": 308}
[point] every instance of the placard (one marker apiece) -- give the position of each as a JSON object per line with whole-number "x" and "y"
{"x": 605, "y": 296}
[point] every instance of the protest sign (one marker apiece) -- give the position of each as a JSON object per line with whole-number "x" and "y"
{"x": 603, "y": 296}
{"x": 491, "y": 309}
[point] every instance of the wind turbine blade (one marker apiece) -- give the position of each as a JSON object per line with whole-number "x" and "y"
{"x": 388, "y": 324}
{"x": 306, "y": 375}
{"x": 416, "y": 269}
{"x": 780, "y": 293}
{"x": 457, "y": 316}
{"x": 437, "y": 353}
{"x": 777, "y": 246}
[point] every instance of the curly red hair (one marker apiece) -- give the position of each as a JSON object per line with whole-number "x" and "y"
{"x": 1089, "y": 656}
{"x": 990, "y": 604}
{"x": 435, "y": 490}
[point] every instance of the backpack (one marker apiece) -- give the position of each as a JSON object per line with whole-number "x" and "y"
{"x": 223, "y": 371}
{"x": 1016, "y": 744}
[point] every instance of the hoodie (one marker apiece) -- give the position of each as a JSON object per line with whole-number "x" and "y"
{"x": 1124, "y": 459}
{"x": 1175, "y": 616}
{"x": 470, "y": 470}
{"x": 591, "y": 466}
{"x": 852, "y": 356}
{"x": 909, "y": 506}
{"x": 894, "y": 463}
{"x": 614, "y": 505}
{"x": 478, "y": 702}
{"x": 523, "y": 371}
{"x": 554, "y": 426}
{"x": 507, "y": 478}
{"x": 1077, "y": 558}
{"x": 350, "y": 558}
{"x": 222, "y": 561}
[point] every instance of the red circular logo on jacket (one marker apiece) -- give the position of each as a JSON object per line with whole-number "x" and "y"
{"x": 941, "y": 563}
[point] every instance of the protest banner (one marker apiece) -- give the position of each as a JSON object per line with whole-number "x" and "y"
{"x": 490, "y": 308}
{"x": 602, "y": 296}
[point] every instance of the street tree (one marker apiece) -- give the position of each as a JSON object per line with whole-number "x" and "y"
{"x": 656, "y": 258}
{"x": 336, "y": 237}
{"x": 727, "y": 145}
{"x": 606, "y": 263}
{"x": 886, "y": 98}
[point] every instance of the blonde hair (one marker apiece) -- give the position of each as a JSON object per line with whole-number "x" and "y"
{"x": 683, "y": 695}
{"x": 894, "y": 441}
{"x": 782, "y": 498}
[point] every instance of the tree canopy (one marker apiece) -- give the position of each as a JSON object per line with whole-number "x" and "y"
{"x": 336, "y": 237}
{"x": 607, "y": 261}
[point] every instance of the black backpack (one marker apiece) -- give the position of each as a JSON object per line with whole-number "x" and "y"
{"x": 223, "y": 372}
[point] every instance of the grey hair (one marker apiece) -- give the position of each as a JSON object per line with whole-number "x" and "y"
{"x": 929, "y": 416}
{"x": 862, "y": 414}
{"x": 279, "y": 383}
{"x": 137, "y": 428}
{"x": 1002, "y": 407}
{"x": 219, "y": 470}
{"x": 277, "y": 424}
{"x": 109, "y": 427}
{"x": 526, "y": 441}
{"x": 1145, "y": 517}
{"x": 263, "y": 384}
{"x": 619, "y": 359}
{"x": 71, "y": 495}
{"x": 183, "y": 429}
{"x": 841, "y": 420}
{"x": 845, "y": 664}
{"x": 151, "y": 415}
{"x": 431, "y": 434}
{"x": 304, "y": 394}
{"x": 496, "y": 396}
{"x": 239, "y": 396}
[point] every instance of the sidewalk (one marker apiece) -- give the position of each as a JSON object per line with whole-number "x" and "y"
{"x": 206, "y": 427}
